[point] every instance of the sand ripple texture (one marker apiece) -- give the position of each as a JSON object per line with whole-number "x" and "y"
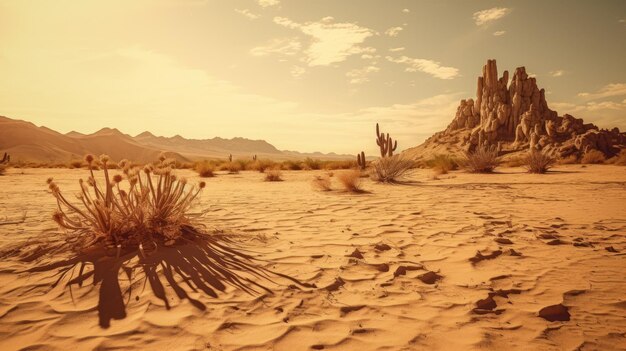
{"x": 465, "y": 262}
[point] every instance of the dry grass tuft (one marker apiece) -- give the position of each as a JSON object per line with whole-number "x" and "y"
{"x": 619, "y": 159}
{"x": 538, "y": 162}
{"x": 442, "y": 164}
{"x": 274, "y": 175}
{"x": 391, "y": 169}
{"x": 481, "y": 160}
{"x": 593, "y": 156}
{"x": 321, "y": 183}
{"x": 350, "y": 180}
{"x": 231, "y": 167}
{"x": 151, "y": 210}
{"x": 205, "y": 169}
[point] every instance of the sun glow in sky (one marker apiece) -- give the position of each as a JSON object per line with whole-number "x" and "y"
{"x": 303, "y": 75}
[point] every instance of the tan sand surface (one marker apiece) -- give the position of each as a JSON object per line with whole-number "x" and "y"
{"x": 542, "y": 241}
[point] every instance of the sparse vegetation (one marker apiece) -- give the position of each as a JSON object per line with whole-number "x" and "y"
{"x": 152, "y": 210}
{"x": 593, "y": 156}
{"x": 391, "y": 169}
{"x": 322, "y": 183}
{"x": 231, "y": 167}
{"x": 482, "y": 160}
{"x": 538, "y": 162}
{"x": 273, "y": 175}
{"x": 442, "y": 164}
{"x": 619, "y": 159}
{"x": 350, "y": 180}
{"x": 205, "y": 169}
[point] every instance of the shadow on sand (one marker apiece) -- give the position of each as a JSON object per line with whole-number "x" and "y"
{"x": 207, "y": 264}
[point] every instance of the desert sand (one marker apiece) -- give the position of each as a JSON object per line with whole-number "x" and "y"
{"x": 465, "y": 262}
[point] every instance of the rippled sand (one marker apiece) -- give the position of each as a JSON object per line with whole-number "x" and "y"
{"x": 461, "y": 263}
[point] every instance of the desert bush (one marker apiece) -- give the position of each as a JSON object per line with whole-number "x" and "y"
{"x": 244, "y": 164}
{"x": 537, "y": 161}
{"x": 262, "y": 165}
{"x": 153, "y": 209}
{"x": 291, "y": 165}
{"x": 571, "y": 159}
{"x": 231, "y": 167}
{"x": 205, "y": 169}
{"x": 312, "y": 163}
{"x": 321, "y": 183}
{"x": 619, "y": 159}
{"x": 482, "y": 160}
{"x": 442, "y": 164}
{"x": 273, "y": 175}
{"x": 593, "y": 156}
{"x": 391, "y": 169}
{"x": 76, "y": 164}
{"x": 350, "y": 180}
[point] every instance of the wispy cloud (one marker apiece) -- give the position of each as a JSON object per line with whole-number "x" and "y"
{"x": 268, "y": 3}
{"x": 485, "y": 16}
{"x": 557, "y": 73}
{"x": 406, "y": 10}
{"x": 361, "y": 75}
{"x": 330, "y": 42}
{"x": 396, "y": 49}
{"x": 247, "y": 13}
{"x": 609, "y": 90}
{"x": 297, "y": 71}
{"x": 431, "y": 67}
{"x": 499, "y": 33}
{"x": 393, "y": 31}
{"x": 282, "y": 46}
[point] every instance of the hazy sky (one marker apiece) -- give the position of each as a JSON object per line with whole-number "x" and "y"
{"x": 306, "y": 75}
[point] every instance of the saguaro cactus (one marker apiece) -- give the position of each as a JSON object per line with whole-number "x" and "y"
{"x": 360, "y": 160}
{"x": 254, "y": 158}
{"x": 385, "y": 143}
{"x": 230, "y": 158}
{"x": 6, "y": 158}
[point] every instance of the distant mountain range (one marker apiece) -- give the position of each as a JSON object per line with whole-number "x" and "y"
{"x": 27, "y": 142}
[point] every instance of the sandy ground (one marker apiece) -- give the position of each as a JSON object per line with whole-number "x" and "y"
{"x": 543, "y": 241}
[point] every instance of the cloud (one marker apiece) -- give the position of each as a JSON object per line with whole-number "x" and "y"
{"x": 297, "y": 71}
{"x": 622, "y": 21}
{"x": 281, "y": 46}
{"x": 406, "y": 10}
{"x": 393, "y": 31}
{"x": 485, "y": 16}
{"x": 427, "y": 66}
{"x": 609, "y": 90}
{"x": 268, "y": 3}
{"x": 330, "y": 42}
{"x": 359, "y": 76}
{"x": 247, "y": 13}
{"x": 396, "y": 49}
{"x": 557, "y": 73}
{"x": 499, "y": 33}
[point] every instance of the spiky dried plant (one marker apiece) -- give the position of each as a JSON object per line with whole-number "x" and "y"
{"x": 391, "y": 169}
{"x": 322, "y": 183}
{"x": 482, "y": 160}
{"x": 351, "y": 180}
{"x": 274, "y": 175}
{"x": 153, "y": 209}
{"x": 538, "y": 162}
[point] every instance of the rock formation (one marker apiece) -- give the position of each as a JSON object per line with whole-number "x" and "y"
{"x": 515, "y": 116}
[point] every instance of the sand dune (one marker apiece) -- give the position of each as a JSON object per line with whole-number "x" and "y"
{"x": 467, "y": 262}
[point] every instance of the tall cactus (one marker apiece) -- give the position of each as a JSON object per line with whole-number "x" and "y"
{"x": 360, "y": 160}
{"x": 254, "y": 158}
{"x": 230, "y": 157}
{"x": 386, "y": 144}
{"x": 6, "y": 158}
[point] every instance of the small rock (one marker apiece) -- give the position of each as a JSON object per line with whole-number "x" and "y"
{"x": 554, "y": 313}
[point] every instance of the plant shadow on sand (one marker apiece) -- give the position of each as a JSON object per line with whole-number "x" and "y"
{"x": 206, "y": 265}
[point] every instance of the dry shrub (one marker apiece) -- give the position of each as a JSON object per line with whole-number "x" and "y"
{"x": 321, "y": 183}
{"x": 571, "y": 159}
{"x": 152, "y": 209}
{"x": 442, "y": 164}
{"x": 482, "y": 160}
{"x": 76, "y": 164}
{"x": 391, "y": 169}
{"x": 274, "y": 175}
{"x": 351, "y": 180}
{"x": 593, "y": 156}
{"x": 205, "y": 169}
{"x": 291, "y": 165}
{"x": 231, "y": 167}
{"x": 538, "y": 162}
{"x": 619, "y": 159}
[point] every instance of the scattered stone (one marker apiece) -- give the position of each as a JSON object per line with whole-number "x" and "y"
{"x": 429, "y": 277}
{"x": 382, "y": 267}
{"x": 336, "y": 285}
{"x": 382, "y": 247}
{"x": 503, "y": 241}
{"x": 479, "y": 256}
{"x": 554, "y": 313}
{"x": 611, "y": 249}
{"x": 356, "y": 254}
{"x": 401, "y": 270}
